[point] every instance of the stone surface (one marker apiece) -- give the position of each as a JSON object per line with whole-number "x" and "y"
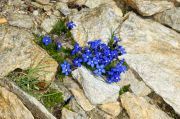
{"x": 12, "y": 107}
{"x": 82, "y": 100}
{"x": 67, "y": 114}
{"x": 97, "y": 23}
{"x": 20, "y": 20}
{"x": 78, "y": 94}
{"x": 137, "y": 86}
{"x": 139, "y": 108}
{"x": 63, "y": 8}
{"x": 36, "y": 108}
{"x": 153, "y": 52}
{"x": 96, "y": 3}
{"x": 17, "y": 50}
{"x": 170, "y": 18}
{"x": 95, "y": 88}
{"x": 149, "y": 7}
{"x": 43, "y": 1}
{"x": 113, "y": 109}
{"x": 48, "y": 23}
{"x": 78, "y": 109}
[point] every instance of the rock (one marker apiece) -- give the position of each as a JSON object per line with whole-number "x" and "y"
{"x": 3, "y": 20}
{"x": 12, "y": 107}
{"x": 48, "y": 23}
{"x": 150, "y": 49}
{"x": 98, "y": 114}
{"x": 20, "y": 20}
{"x": 139, "y": 108}
{"x": 63, "y": 8}
{"x": 78, "y": 94}
{"x": 95, "y": 88}
{"x": 170, "y": 18}
{"x": 35, "y": 12}
{"x": 96, "y": 3}
{"x": 17, "y": 50}
{"x": 82, "y": 100}
{"x": 36, "y": 108}
{"x": 78, "y": 109}
{"x": 149, "y": 7}
{"x": 67, "y": 114}
{"x": 137, "y": 86}
{"x": 44, "y": 2}
{"x": 97, "y": 23}
{"x": 113, "y": 109}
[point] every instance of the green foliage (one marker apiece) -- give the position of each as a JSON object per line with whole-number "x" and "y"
{"x": 124, "y": 89}
{"x": 52, "y": 98}
{"x": 59, "y": 27}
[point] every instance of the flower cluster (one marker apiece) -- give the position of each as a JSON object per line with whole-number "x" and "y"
{"x": 101, "y": 58}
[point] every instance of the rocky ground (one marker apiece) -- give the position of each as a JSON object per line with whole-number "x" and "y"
{"x": 150, "y": 33}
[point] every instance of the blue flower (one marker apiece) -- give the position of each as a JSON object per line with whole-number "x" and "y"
{"x": 99, "y": 70}
{"x": 86, "y": 56}
{"x": 58, "y": 45}
{"x": 66, "y": 68}
{"x": 77, "y": 62}
{"x": 103, "y": 46}
{"x": 121, "y": 50}
{"x": 113, "y": 79}
{"x": 76, "y": 49}
{"x": 92, "y": 61}
{"x": 71, "y": 25}
{"x": 46, "y": 40}
{"x": 94, "y": 44}
{"x": 87, "y": 50}
{"x": 107, "y": 53}
{"x": 116, "y": 39}
{"x": 106, "y": 61}
{"x": 114, "y": 53}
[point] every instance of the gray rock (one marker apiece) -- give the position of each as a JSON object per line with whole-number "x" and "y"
{"x": 67, "y": 114}
{"x": 78, "y": 94}
{"x": 139, "y": 108}
{"x": 12, "y": 107}
{"x": 63, "y": 8}
{"x": 170, "y": 18}
{"x": 17, "y": 50}
{"x": 48, "y": 23}
{"x": 36, "y": 108}
{"x": 112, "y": 109}
{"x": 95, "y": 88}
{"x": 149, "y": 7}
{"x": 97, "y": 23}
{"x": 44, "y": 2}
{"x": 153, "y": 52}
{"x": 137, "y": 86}
{"x": 20, "y": 20}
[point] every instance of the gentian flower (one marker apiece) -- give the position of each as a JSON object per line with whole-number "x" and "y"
{"x": 114, "y": 53}
{"x": 92, "y": 61}
{"x": 106, "y": 61}
{"x": 121, "y": 50}
{"x": 77, "y": 62}
{"x": 76, "y": 49}
{"x": 66, "y": 68}
{"x": 99, "y": 70}
{"x": 46, "y": 40}
{"x": 58, "y": 45}
{"x": 86, "y": 56}
{"x": 71, "y": 25}
{"x": 113, "y": 79}
{"x": 116, "y": 39}
{"x": 87, "y": 50}
{"x": 94, "y": 44}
